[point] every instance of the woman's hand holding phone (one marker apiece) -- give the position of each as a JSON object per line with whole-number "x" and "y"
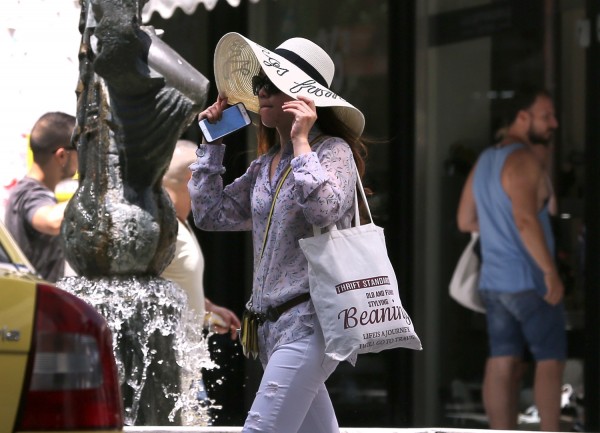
{"x": 214, "y": 114}
{"x": 226, "y": 121}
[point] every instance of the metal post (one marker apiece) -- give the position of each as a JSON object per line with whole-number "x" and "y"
{"x": 592, "y": 225}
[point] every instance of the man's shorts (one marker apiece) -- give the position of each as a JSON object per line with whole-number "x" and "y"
{"x": 523, "y": 320}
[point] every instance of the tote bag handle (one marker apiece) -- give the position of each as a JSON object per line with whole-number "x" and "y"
{"x": 359, "y": 187}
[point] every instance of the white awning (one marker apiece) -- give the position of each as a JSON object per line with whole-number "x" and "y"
{"x": 166, "y": 8}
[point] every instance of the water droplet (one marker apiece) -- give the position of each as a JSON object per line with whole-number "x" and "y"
{"x": 153, "y": 307}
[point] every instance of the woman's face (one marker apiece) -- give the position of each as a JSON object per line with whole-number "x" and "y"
{"x": 271, "y": 113}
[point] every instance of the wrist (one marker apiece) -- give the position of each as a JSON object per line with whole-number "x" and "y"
{"x": 301, "y": 146}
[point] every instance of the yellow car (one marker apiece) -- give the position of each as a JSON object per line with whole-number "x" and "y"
{"x": 57, "y": 368}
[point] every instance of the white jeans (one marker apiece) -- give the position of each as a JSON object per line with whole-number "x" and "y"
{"x": 292, "y": 396}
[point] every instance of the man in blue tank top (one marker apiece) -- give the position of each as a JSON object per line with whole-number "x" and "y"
{"x": 506, "y": 199}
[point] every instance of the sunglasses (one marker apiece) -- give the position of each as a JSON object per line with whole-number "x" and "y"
{"x": 263, "y": 82}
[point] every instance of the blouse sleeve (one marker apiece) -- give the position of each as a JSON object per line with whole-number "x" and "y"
{"x": 214, "y": 207}
{"x": 325, "y": 182}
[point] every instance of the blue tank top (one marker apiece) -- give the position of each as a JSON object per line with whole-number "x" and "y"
{"x": 506, "y": 265}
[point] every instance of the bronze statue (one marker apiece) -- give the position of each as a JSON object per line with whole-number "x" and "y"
{"x": 135, "y": 97}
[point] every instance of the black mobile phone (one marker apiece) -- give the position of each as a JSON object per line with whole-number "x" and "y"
{"x": 233, "y": 118}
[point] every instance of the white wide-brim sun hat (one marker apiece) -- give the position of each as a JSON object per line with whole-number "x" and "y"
{"x": 297, "y": 67}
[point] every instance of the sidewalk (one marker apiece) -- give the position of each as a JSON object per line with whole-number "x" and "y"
{"x": 239, "y": 429}
{"x": 342, "y": 430}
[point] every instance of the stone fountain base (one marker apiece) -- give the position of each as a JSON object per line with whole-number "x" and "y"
{"x": 159, "y": 346}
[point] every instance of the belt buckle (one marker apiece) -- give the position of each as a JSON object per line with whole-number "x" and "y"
{"x": 271, "y": 315}
{"x": 260, "y": 317}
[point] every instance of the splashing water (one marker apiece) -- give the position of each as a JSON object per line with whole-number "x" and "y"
{"x": 159, "y": 345}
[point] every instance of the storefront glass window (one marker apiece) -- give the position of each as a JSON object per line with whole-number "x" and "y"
{"x": 472, "y": 56}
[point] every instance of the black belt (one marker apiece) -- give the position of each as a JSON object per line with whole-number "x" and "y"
{"x": 274, "y": 313}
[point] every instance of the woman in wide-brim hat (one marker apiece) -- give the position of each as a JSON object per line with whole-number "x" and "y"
{"x": 305, "y": 175}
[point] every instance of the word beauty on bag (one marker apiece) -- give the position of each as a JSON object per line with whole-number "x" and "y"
{"x": 355, "y": 292}
{"x": 464, "y": 285}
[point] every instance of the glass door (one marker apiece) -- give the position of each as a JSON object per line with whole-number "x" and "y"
{"x": 471, "y": 56}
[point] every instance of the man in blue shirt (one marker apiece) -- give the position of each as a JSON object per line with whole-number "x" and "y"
{"x": 506, "y": 199}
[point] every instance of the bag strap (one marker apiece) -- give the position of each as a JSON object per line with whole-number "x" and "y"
{"x": 359, "y": 187}
{"x": 279, "y": 185}
{"x": 363, "y": 196}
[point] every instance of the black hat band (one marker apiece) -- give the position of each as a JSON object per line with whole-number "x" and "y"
{"x": 302, "y": 64}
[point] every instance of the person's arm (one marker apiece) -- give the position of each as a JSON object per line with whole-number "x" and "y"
{"x": 325, "y": 181}
{"x": 214, "y": 206}
{"x": 305, "y": 115}
{"x": 552, "y": 203}
{"x": 466, "y": 215}
{"x": 47, "y": 219}
{"x": 522, "y": 179}
{"x": 227, "y": 321}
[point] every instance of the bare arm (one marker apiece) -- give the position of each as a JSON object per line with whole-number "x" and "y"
{"x": 522, "y": 179}
{"x": 47, "y": 219}
{"x": 231, "y": 322}
{"x": 466, "y": 216}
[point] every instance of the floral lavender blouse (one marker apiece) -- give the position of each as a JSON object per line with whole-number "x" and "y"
{"x": 319, "y": 190}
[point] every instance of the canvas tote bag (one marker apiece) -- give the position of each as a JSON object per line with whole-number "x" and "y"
{"x": 354, "y": 290}
{"x": 464, "y": 285}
